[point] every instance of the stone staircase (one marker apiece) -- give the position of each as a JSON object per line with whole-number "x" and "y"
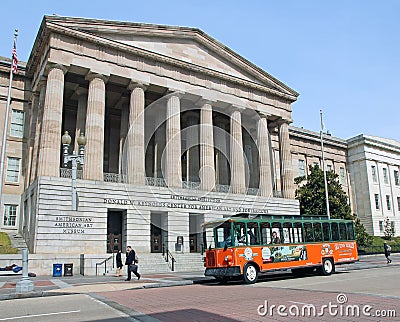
{"x": 189, "y": 262}
{"x": 154, "y": 263}
{"x": 17, "y": 241}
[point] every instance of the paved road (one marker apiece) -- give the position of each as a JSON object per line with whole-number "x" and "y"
{"x": 347, "y": 291}
{"x": 79, "y": 307}
{"x": 369, "y": 282}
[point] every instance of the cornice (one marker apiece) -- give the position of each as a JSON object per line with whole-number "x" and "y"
{"x": 118, "y": 27}
{"x": 52, "y": 27}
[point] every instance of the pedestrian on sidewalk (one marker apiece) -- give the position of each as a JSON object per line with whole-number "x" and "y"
{"x": 118, "y": 258}
{"x": 388, "y": 250}
{"x": 131, "y": 263}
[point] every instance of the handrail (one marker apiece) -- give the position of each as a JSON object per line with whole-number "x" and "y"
{"x": 168, "y": 257}
{"x": 105, "y": 265}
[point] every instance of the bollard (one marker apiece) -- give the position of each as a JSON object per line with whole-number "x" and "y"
{"x": 25, "y": 284}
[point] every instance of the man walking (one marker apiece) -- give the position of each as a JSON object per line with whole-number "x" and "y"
{"x": 387, "y": 249}
{"x": 131, "y": 263}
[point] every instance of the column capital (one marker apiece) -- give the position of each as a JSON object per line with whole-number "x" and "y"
{"x": 91, "y": 75}
{"x": 235, "y": 108}
{"x": 172, "y": 92}
{"x": 283, "y": 120}
{"x": 51, "y": 66}
{"x": 264, "y": 115}
{"x": 203, "y": 101}
{"x": 134, "y": 84}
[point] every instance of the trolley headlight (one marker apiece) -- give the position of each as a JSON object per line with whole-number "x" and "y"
{"x": 228, "y": 259}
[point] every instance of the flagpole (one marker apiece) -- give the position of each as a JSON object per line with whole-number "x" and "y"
{"x": 324, "y": 170}
{"x": 5, "y": 131}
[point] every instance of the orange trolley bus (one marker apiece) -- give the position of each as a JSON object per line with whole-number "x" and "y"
{"x": 245, "y": 247}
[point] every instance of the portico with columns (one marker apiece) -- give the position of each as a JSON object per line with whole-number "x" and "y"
{"x": 178, "y": 131}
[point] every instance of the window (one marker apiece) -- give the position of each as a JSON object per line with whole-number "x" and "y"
{"x": 392, "y": 225}
{"x": 396, "y": 178}
{"x": 10, "y": 215}
{"x": 302, "y": 168}
{"x": 398, "y": 203}
{"x": 326, "y": 229}
{"x": 350, "y": 231}
{"x": 373, "y": 171}
{"x": 385, "y": 176}
{"x": 381, "y": 226}
{"x": 342, "y": 176}
{"x": 335, "y": 231}
{"x": 12, "y": 169}
{"x": 317, "y": 231}
{"x": 389, "y": 206}
{"x": 377, "y": 202}
{"x": 329, "y": 167}
{"x": 17, "y": 124}
{"x": 342, "y": 231}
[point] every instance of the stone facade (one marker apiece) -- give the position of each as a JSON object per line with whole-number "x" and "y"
{"x": 374, "y": 166}
{"x": 180, "y": 130}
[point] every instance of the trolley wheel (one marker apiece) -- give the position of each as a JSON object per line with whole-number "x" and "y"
{"x": 328, "y": 267}
{"x": 250, "y": 274}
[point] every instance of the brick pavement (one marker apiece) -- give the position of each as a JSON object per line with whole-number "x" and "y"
{"x": 240, "y": 303}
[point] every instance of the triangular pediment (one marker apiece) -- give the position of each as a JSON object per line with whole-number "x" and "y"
{"x": 189, "y": 45}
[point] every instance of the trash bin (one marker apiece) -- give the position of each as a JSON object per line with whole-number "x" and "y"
{"x": 57, "y": 270}
{"x": 68, "y": 269}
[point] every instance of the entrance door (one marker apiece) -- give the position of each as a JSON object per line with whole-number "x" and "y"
{"x": 193, "y": 243}
{"x": 156, "y": 240}
{"x": 114, "y": 231}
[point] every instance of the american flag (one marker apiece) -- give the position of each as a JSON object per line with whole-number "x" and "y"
{"x": 14, "y": 59}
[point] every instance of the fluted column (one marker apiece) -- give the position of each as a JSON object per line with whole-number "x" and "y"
{"x": 173, "y": 162}
{"x": 286, "y": 162}
{"x": 207, "y": 167}
{"x": 159, "y": 143}
{"x": 122, "y": 135}
{"x": 31, "y": 137}
{"x": 265, "y": 187}
{"x": 50, "y": 142}
{"x": 94, "y": 152}
{"x": 221, "y": 145}
{"x": 135, "y": 172}
{"x": 238, "y": 183}
{"x": 192, "y": 152}
{"x": 80, "y": 115}
{"x": 38, "y": 129}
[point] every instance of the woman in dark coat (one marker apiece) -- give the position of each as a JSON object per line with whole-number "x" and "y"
{"x": 118, "y": 258}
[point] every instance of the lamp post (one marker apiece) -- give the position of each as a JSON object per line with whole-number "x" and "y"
{"x": 75, "y": 159}
{"x": 323, "y": 167}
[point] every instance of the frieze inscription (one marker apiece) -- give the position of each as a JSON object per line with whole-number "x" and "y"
{"x": 73, "y": 225}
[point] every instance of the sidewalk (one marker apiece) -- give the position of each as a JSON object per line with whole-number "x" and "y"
{"x": 48, "y": 285}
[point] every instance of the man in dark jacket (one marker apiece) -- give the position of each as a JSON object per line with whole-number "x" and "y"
{"x": 131, "y": 264}
{"x": 387, "y": 250}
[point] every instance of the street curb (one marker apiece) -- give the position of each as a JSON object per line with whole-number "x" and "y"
{"x": 14, "y": 296}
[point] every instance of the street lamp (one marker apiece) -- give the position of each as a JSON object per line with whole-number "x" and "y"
{"x": 75, "y": 159}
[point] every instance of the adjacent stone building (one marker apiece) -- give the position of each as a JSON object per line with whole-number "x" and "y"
{"x": 374, "y": 165}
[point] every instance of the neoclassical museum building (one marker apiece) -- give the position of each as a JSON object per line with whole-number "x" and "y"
{"x": 178, "y": 130}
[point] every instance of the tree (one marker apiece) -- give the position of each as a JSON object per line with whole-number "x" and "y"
{"x": 362, "y": 237}
{"x": 388, "y": 229}
{"x": 311, "y": 195}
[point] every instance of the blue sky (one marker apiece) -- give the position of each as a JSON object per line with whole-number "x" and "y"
{"x": 341, "y": 56}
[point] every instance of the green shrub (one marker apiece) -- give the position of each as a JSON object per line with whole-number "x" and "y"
{"x": 5, "y": 244}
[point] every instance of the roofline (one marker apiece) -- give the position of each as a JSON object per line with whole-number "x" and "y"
{"x": 54, "y": 19}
